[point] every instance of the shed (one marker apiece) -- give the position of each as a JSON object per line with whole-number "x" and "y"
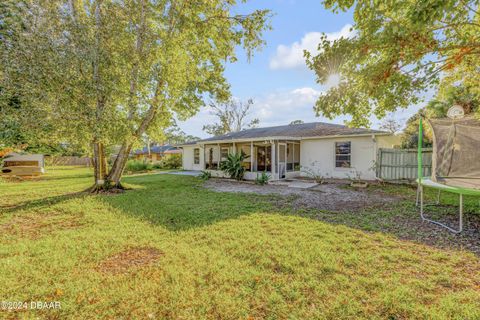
{"x": 23, "y": 164}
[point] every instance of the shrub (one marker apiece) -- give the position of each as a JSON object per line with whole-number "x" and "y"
{"x": 262, "y": 179}
{"x": 205, "y": 175}
{"x": 157, "y": 165}
{"x": 173, "y": 161}
{"x": 233, "y": 165}
{"x": 138, "y": 165}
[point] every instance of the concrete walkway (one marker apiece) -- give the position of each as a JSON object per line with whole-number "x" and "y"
{"x": 185, "y": 173}
{"x": 299, "y": 184}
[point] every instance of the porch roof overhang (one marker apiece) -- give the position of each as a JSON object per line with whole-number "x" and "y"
{"x": 259, "y": 139}
{"x": 273, "y": 138}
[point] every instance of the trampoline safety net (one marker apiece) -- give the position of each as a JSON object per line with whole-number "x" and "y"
{"x": 456, "y": 152}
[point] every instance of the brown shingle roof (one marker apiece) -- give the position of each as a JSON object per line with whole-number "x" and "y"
{"x": 303, "y": 130}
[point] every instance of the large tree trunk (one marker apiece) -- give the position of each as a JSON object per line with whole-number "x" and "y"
{"x": 99, "y": 160}
{"x": 119, "y": 164}
{"x": 118, "y": 167}
{"x": 99, "y": 166}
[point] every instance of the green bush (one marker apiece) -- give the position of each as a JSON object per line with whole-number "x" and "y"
{"x": 233, "y": 165}
{"x": 138, "y": 165}
{"x": 157, "y": 165}
{"x": 205, "y": 175}
{"x": 173, "y": 161}
{"x": 262, "y": 179}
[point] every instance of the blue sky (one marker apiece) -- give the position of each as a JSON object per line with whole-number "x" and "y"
{"x": 276, "y": 77}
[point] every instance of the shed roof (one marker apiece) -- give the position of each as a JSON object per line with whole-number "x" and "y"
{"x": 23, "y": 157}
{"x": 303, "y": 130}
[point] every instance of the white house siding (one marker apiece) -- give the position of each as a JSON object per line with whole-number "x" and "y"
{"x": 319, "y": 152}
{"x": 319, "y": 155}
{"x": 188, "y": 158}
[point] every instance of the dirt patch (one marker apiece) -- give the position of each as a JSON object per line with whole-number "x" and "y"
{"x": 131, "y": 258}
{"x": 335, "y": 196}
{"x": 39, "y": 225}
{"x": 370, "y": 209}
{"x": 411, "y": 227}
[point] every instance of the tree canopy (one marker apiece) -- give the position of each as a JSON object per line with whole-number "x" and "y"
{"x": 106, "y": 72}
{"x": 397, "y": 50}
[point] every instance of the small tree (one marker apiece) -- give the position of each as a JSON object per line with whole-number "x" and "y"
{"x": 232, "y": 117}
{"x": 391, "y": 125}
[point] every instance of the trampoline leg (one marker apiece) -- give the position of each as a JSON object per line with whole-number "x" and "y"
{"x": 421, "y": 201}
{"x": 460, "y": 222}
{"x": 418, "y": 193}
{"x": 439, "y": 223}
{"x": 438, "y": 197}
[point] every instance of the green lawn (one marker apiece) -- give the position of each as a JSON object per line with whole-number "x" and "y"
{"x": 212, "y": 255}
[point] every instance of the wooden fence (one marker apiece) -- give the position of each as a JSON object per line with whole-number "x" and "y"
{"x": 400, "y": 165}
{"x": 68, "y": 161}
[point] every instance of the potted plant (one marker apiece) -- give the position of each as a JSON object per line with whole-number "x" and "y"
{"x": 356, "y": 180}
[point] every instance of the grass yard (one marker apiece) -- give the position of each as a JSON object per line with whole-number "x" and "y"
{"x": 170, "y": 249}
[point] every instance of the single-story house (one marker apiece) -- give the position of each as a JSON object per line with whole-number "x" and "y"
{"x": 156, "y": 153}
{"x": 330, "y": 150}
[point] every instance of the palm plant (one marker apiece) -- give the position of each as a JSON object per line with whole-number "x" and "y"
{"x": 233, "y": 165}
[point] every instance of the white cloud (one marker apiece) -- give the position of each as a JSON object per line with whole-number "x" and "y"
{"x": 291, "y": 56}
{"x": 277, "y": 108}
{"x": 281, "y": 107}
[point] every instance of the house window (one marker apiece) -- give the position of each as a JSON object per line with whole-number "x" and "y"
{"x": 223, "y": 153}
{"x": 196, "y": 156}
{"x": 343, "y": 154}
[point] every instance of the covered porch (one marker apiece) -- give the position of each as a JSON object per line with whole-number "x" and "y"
{"x": 279, "y": 158}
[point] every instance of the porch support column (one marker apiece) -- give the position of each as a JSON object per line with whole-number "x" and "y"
{"x": 293, "y": 156}
{"x": 234, "y": 148}
{"x": 204, "y": 163}
{"x": 219, "y": 156}
{"x": 251, "y": 156}
{"x": 273, "y": 160}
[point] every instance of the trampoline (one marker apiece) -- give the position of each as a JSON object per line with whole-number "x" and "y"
{"x": 455, "y": 160}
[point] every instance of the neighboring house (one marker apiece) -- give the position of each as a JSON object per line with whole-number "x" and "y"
{"x": 156, "y": 153}
{"x": 331, "y": 150}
